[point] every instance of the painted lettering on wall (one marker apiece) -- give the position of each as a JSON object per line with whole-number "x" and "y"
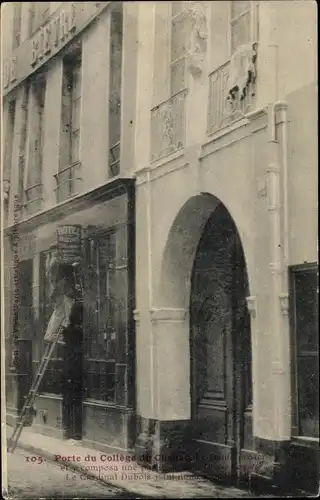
{"x": 53, "y": 34}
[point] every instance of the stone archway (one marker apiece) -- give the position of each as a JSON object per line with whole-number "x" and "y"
{"x": 202, "y": 292}
{"x": 177, "y": 262}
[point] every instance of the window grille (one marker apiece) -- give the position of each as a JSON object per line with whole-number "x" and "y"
{"x": 304, "y": 320}
{"x": 99, "y": 317}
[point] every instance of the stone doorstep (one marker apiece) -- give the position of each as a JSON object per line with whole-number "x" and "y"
{"x": 151, "y": 484}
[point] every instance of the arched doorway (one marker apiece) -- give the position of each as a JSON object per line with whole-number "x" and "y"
{"x": 220, "y": 349}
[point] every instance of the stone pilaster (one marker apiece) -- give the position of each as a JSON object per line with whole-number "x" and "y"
{"x": 52, "y": 139}
{"x": 128, "y": 87}
{"x": 94, "y": 118}
{"x": 163, "y": 441}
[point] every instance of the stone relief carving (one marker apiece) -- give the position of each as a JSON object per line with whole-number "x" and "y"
{"x": 240, "y": 83}
{"x": 168, "y": 126}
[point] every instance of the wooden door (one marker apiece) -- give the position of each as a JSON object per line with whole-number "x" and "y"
{"x": 221, "y": 358}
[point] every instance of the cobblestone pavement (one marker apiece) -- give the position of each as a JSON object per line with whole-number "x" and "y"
{"x": 27, "y": 479}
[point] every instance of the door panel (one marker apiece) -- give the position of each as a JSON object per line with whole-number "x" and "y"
{"x": 220, "y": 340}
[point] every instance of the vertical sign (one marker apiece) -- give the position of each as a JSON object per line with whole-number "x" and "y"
{"x": 69, "y": 244}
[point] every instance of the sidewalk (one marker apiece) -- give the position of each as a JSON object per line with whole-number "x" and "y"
{"x": 111, "y": 470}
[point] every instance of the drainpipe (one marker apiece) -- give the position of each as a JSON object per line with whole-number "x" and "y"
{"x": 278, "y": 209}
{"x": 274, "y": 201}
{"x": 283, "y": 108}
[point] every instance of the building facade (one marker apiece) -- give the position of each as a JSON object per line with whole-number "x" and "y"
{"x": 226, "y": 240}
{"x": 197, "y": 161}
{"x": 68, "y": 111}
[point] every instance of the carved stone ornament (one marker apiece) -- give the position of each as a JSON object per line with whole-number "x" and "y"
{"x": 167, "y": 125}
{"x": 241, "y": 81}
{"x": 243, "y": 72}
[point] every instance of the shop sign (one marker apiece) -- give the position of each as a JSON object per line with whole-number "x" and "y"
{"x": 69, "y": 244}
{"x": 53, "y": 34}
{"x": 69, "y": 19}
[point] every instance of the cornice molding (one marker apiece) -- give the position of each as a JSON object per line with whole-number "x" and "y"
{"x": 104, "y": 192}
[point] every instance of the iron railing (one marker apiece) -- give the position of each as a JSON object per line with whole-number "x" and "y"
{"x": 68, "y": 182}
{"x": 168, "y": 125}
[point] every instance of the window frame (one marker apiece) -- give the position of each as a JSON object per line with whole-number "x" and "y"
{"x": 72, "y": 64}
{"x": 295, "y": 270}
{"x": 182, "y": 14}
{"x": 254, "y": 6}
{"x": 115, "y": 91}
{"x": 36, "y": 88}
{"x": 69, "y": 168}
{"x": 9, "y": 138}
{"x": 76, "y": 99}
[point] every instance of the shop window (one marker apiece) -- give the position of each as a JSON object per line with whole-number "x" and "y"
{"x": 33, "y": 187}
{"x": 116, "y": 36}
{"x": 99, "y": 317}
{"x": 244, "y": 23}
{"x": 304, "y": 322}
{"x": 70, "y": 130}
{"x": 51, "y": 383}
